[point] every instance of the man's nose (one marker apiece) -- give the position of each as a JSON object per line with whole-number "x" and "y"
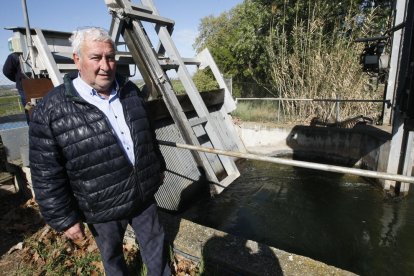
{"x": 104, "y": 64}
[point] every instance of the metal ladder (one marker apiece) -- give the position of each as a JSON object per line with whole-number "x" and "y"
{"x": 127, "y": 21}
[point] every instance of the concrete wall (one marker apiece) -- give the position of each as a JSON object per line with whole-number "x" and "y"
{"x": 363, "y": 146}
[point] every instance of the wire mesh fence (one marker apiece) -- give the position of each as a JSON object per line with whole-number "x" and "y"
{"x": 310, "y": 111}
{"x": 263, "y": 104}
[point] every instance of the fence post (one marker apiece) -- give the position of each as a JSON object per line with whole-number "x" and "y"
{"x": 337, "y": 108}
{"x": 19, "y": 104}
{"x": 278, "y": 110}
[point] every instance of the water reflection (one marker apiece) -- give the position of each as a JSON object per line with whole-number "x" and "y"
{"x": 392, "y": 220}
{"x": 338, "y": 219}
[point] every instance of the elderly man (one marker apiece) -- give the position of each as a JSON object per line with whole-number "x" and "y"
{"x": 94, "y": 157}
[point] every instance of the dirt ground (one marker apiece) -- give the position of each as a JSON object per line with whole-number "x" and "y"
{"x": 29, "y": 247}
{"x": 18, "y": 219}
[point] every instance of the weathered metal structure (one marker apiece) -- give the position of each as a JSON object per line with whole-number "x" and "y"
{"x": 400, "y": 91}
{"x": 195, "y": 118}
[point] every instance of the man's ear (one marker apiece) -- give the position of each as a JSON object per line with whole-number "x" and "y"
{"x": 76, "y": 59}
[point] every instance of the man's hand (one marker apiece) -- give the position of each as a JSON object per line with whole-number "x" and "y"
{"x": 75, "y": 232}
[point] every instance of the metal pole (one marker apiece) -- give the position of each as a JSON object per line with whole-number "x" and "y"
{"x": 394, "y": 64}
{"x": 19, "y": 104}
{"x": 28, "y": 33}
{"x": 337, "y": 109}
{"x": 296, "y": 163}
{"x": 278, "y": 111}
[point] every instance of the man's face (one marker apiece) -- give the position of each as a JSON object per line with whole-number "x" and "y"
{"x": 96, "y": 65}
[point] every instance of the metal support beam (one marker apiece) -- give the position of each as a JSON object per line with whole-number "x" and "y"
{"x": 149, "y": 17}
{"x": 206, "y": 60}
{"x": 394, "y": 61}
{"x": 400, "y": 158}
{"x": 117, "y": 25}
{"x": 152, "y": 72}
{"x": 408, "y": 161}
{"x": 395, "y": 151}
{"x": 47, "y": 57}
{"x": 28, "y": 34}
{"x": 211, "y": 127}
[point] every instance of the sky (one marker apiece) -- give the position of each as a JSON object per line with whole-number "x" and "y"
{"x": 67, "y": 15}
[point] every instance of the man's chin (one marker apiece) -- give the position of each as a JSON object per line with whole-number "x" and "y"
{"x": 104, "y": 87}
{"x": 105, "y": 83}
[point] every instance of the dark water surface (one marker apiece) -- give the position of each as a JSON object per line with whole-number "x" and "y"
{"x": 341, "y": 220}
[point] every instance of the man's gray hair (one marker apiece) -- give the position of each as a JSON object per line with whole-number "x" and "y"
{"x": 91, "y": 34}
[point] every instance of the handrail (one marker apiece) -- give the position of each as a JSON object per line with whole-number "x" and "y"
{"x": 296, "y": 163}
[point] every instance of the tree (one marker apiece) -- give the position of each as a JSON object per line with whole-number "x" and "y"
{"x": 243, "y": 40}
{"x": 205, "y": 81}
{"x": 235, "y": 39}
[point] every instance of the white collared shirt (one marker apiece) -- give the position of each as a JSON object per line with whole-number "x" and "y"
{"x": 112, "y": 108}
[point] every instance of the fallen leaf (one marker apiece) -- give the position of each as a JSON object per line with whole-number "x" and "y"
{"x": 129, "y": 246}
{"x": 68, "y": 263}
{"x": 18, "y": 246}
{"x": 98, "y": 266}
{"x": 55, "y": 253}
{"x": 92, "y": 247}
{"x": 80, "y": 242}
{"x": 36, "y": 256}
{"x": 44, "y": 233}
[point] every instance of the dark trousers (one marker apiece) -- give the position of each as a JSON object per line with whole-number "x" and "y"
{"x": 109, "y": 238}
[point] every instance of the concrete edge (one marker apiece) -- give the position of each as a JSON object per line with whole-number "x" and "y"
{"x": 225, "y": 253}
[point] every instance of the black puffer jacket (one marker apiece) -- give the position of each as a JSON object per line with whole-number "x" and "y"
{"x": 79, "y": 170}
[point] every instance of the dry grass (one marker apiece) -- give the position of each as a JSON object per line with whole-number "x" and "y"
{"x": 42, "y": 251}
{"x": 306, "y": 62}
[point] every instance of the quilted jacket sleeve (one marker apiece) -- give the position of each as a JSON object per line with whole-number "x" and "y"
{"x": 49, "y": 178}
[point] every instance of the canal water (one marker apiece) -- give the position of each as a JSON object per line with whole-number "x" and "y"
{"x": 338, "y": 219}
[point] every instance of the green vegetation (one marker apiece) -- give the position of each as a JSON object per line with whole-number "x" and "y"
{"x": 297, "y": 49}
{"x": 205, "y": 81}
{"x": 50, "y": 253}
{"x": 178, "y": 87}
{"x": 6, "y": 90}
{"x": 267, "y": 111}
{"x": 10, "y": 105}
{"x": 47, "y": 253}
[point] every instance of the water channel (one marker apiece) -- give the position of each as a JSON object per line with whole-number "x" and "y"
{"x": 341, "y": 220}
